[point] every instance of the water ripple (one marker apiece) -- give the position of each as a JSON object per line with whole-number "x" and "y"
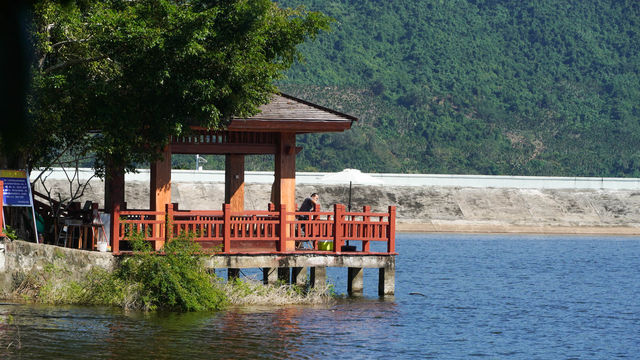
{"x": 481, "y": 296}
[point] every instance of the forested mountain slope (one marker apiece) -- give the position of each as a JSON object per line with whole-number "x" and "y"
{"x": 545, "y": 87}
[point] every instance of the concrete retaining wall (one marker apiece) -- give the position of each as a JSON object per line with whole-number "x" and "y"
{"x": 20, "y": 257}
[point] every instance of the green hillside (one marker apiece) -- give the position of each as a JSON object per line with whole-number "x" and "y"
{"x": 544, "y": 87}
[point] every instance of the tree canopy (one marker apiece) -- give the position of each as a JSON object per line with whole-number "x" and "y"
{"x": 118, "y": 77}
{"x": 545, "y": 87}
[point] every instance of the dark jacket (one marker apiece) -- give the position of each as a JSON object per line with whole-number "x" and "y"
{"x": 307, "y": 205}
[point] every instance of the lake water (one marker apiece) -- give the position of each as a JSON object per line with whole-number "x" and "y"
{"x": 457, "y": 296}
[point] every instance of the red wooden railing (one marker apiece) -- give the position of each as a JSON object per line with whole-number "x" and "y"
{"x": 258, "y": 231}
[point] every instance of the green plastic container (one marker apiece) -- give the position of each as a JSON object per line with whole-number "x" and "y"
{"x": 325, "y": 245}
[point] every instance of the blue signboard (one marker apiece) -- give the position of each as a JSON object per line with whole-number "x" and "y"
{"x": 16, "y": 189}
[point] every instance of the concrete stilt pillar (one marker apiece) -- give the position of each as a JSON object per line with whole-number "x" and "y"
{"x": 284, "y": 274}
{"x": 387, "y": 281}
{"x": 269, "y": 276}
{"x": 299, "y": 275}
{"x": 232, "y": 274}
{"x": 355, "y": 281}
{"x": 318, "y": 276}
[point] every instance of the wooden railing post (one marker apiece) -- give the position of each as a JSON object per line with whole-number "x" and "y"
{"x": 115, "y": 228}
{"x": 168, "y": 223}
{"x": 366, "y": 233}
{"x": 391, "y": 235}
{"x": 271, "y": 206}
{"x": 226, "y": 210}
{"x": 283, "y": 228}
{"x": 338, "y": 213}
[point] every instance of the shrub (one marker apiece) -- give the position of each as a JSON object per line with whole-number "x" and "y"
{"x": 174, "y": 280}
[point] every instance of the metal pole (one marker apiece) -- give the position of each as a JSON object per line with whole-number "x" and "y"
{"x": 349, "y": 207}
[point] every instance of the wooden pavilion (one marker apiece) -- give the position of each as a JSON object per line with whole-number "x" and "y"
{"x": 272, "y": 131}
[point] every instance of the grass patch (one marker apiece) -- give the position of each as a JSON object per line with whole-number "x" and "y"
{"x": 253, "y": 292}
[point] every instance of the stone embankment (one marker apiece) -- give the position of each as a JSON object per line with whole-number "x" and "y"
{"x": 528, "y": 206}
{"x": 20, "y": 258}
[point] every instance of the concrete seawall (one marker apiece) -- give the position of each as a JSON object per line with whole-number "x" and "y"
{"x": 485, "y": 204}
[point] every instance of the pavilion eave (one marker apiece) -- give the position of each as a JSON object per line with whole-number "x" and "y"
{"x": 294, "y": 126}
{"x": 241, "y": 149}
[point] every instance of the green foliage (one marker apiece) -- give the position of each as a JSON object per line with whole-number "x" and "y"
{"x": 472, "y": 86}
{"x": 10, "y": 232}
{"x": 140, "y": 71}
{"x": 174, "y": 280}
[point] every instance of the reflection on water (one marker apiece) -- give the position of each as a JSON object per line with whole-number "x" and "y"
{"x": 46, "y": 332}
{"x": 457, "y": 296}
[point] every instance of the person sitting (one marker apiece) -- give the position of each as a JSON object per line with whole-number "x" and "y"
{"x": 308, "y": 205}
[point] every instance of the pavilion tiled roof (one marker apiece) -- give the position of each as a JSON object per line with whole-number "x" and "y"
{"x": 290, "y": 114}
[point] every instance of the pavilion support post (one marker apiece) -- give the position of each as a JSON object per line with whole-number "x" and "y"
{"x": 234, "y": 181}
{"x": 114, "y": 200}
{"x": 285, "y": 178}
{"x": 299, "y": 275}
{"x": 232, "y": 274}
{"x": 355, "y": 281}
{"x": 113, "y": 186}
{"x": 318, "y": 276}
{"x": 387, "y": 279}
{"x": 284, "y": 274}
{"x": 160, "y": 188}
{"x": 269, "y": 275}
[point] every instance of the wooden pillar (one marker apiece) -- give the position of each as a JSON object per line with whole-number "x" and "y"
{"x": 160, "y": 182}
{"x": 160, "y": 187}
{"x": 285, "y": 177}
{"x": 113, "y": 186}
{"x": 234, "y": 181}
{"x": 113, "y": 200}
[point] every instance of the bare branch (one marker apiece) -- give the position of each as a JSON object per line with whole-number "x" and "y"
{"x": 60, "y": 43}
{"x": 57, "y": 159}
{"x": 75, "y": 62}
